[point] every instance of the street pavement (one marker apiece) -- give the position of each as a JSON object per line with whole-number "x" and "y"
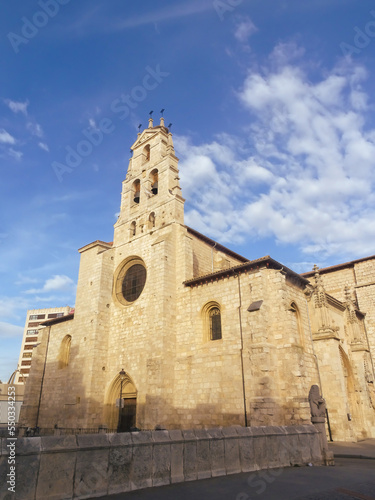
{"x": 352, "y": 478}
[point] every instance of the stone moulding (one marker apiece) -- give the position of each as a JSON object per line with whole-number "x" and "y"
{"x": 85, "y": 466}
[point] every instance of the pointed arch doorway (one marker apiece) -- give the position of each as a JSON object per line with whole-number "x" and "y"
{"x": 353, "y": 409}
{"x": 121, "y": 413}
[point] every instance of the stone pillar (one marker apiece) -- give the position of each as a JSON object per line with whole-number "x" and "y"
{"x": 320, "y": 425}
{"x": 318, "y": 419}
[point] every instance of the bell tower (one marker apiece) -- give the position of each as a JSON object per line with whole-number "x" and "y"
{"x": 151, "y": 194}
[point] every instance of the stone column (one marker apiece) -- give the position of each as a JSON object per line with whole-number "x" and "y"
{"x": 318, "y": 419}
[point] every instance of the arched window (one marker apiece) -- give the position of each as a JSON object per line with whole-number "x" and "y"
{"x": 212, "y": 321}
{"x": 297, "y": 324}
{"x": 136, "y": 191}
{"x": 64, "y": 351}
{"x": 146, "y": 153}
{"x": 133, "y": 228}
{"x": 151, "y": 220}
{"x": 154, "y": 177}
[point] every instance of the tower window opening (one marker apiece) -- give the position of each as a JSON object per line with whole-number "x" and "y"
{"x": 154, "y": 176}
{"x": 133, "y": 228}
{"x": 151, "y": 220}
{"x": 136, "y": 191}
{"x": 146, "y": 153}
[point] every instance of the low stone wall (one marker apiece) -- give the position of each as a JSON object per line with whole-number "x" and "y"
{"x": 83, "y": 466}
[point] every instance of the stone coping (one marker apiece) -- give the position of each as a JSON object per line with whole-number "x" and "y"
{"x": 86, "y": 442}
{"x": 91, "y": 465}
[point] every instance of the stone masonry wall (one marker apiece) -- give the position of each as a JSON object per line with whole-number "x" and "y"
{"x": 86, "y": 466}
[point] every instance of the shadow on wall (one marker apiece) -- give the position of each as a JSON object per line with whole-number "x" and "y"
{"x": 65, "y": 402}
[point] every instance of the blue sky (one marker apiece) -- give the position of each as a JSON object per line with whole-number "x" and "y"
{"x": 273, "y": 120}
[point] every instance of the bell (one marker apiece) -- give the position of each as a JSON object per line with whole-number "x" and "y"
{"x": 136, "y": 197}
{"x": 154, "y": 188}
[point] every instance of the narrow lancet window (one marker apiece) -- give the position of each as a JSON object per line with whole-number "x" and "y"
{"x": 215, "y": 323}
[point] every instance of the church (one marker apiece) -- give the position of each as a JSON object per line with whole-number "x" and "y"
{"x": 173, "y": 330}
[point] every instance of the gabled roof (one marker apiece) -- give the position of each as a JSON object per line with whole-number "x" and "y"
{"x": 249, "y": 266}
{"x": 95, "y": 244}
{"x": 147, "y": 134}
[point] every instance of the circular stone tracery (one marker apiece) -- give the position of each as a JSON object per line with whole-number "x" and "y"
{"x": 130, "y": 281}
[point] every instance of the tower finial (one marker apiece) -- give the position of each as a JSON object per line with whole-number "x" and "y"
{"x": 150, "y": 120}
{"x": 162, "y": 117}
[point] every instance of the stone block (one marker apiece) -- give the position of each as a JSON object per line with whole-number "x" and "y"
{"x": 203, "y": 454}
{"x": 55, "y": 443}
{"x": 120, "y": 460}
{"x": 273, "y": 445}
{"x": 28, "y": 445}
{"x": 141, "y": 475}
{"x": 56, "y": 474}
{"x": 217, "y": 452}
{"x": 161, "y": 458}
{"x": 259, "y": 445}
{"x": 284, "y": 449}
{"x": 92, "y": 440}
{"x": 316, "y": 451}
{"x": 4, "y": 469}
{"x": 120, "y": 439}
{"x": 291, "y": 447}
{"x": 246, "y": 443}
{"x": 26, "y": 479}
{"x": 190, "y": 455}
{"x": 177, "y": 454}
{"x": 231, "y": 450}
{"x": 91, "y": 475}
{"x": 313, "y": 441}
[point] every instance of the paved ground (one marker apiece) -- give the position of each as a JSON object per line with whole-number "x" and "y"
{"x": 351, "y": 478}
{"x": 362, "y": 449}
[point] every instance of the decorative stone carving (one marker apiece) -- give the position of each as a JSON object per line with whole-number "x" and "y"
{"x": 317, "y": 404}
{"x": 353, "y": 323}
{"x": 325, "y": 328}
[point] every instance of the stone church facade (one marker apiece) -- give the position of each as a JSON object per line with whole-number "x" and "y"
{"x": 205, "y": 337}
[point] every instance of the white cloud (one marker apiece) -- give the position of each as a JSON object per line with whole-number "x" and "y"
{"x": 310, "y": 178}
{"x": 35, "y": 129}
{"x": 13, "y": 307}
{"x": 6, "y": 138}
{"x": 167, "y": 14}
{"x": 17, "y": 155}
{"x": 286, "y": 52}
{"x": 244, "y": 30}
{"x": 18, "y": 107}
{"x": 43, "y": 146}
{"x": 25, "y": 280}
{"x": 7, "y": 330}
{"x": 58, "y": 283}
{"x": 92, "y": 123}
